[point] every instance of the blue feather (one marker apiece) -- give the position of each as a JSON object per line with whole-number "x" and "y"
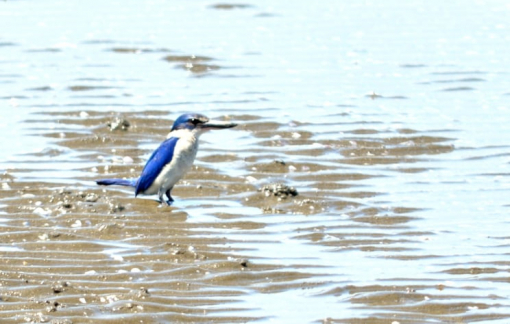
{"x": 119, "y": 182}
{"x": 161, "y": 157}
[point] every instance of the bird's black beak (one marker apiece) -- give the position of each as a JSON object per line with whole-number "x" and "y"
{"x": 217, "y": 124}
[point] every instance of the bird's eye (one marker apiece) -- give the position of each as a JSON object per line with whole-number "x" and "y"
{"x": 194, "y": 121}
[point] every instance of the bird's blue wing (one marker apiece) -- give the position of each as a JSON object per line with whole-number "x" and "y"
{"x": 161, "y": 156}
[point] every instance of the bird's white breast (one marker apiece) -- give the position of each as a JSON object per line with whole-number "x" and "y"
{"x": 184, "y": 155}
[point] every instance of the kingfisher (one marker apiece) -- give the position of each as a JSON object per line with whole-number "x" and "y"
{"x": 172, "y": 159}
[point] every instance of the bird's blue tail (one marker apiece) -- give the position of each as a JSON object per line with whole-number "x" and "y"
{"x": 119, "y": 182}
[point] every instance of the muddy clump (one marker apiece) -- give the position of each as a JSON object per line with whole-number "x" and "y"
{"x": 118, "y": 123}
{"x": 279, "y": 190}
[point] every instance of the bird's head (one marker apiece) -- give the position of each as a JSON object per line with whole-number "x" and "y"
{"x": 199, "y": 123}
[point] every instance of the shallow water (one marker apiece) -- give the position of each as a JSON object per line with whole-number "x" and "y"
{"x": 388, "y": 119}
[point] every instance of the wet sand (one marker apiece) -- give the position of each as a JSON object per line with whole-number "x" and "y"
{"x": 367, "y": 181}
{"x": 79, "y": 253}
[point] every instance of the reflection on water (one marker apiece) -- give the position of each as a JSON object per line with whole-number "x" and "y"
{"x": 366, "y": 183}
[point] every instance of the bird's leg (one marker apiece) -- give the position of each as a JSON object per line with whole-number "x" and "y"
{"x": 170, "y": 199}
{"x": 161, "y": 192}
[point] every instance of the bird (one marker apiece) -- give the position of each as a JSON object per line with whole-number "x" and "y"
{"x": 172, "y": 159}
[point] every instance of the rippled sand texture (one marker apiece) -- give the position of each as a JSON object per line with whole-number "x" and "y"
{"x": 82, "y": 253}
{"x": 367, "y": 181}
